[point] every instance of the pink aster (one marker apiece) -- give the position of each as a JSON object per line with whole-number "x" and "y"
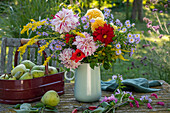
{"x": 65, "y": 56}
{"x": 64, "y": 21}
{"x": 149, "y": 106}
{"x": 86, "y": 45}
{"x": 160, "y": 103}
{"x": 131, "y": 105}
{"x": 155, "y": 95}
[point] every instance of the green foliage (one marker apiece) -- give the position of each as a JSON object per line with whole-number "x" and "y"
{"x": 18, "y": 13}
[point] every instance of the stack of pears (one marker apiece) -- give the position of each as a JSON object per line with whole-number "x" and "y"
{"x": 28, "y": 70}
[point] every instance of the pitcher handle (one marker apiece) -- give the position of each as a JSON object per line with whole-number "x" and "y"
{"x": 65, "y": 75}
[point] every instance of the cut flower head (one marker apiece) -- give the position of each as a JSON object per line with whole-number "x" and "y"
{"x": 75, "y": 39}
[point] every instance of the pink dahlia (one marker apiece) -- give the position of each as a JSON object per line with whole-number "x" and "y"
{"x": 86, "y": 45}
{"x": 65, "y": 21}
{"x": 65, "y": 56}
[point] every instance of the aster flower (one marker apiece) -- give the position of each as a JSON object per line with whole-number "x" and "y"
{"x": 92, "y": 20}
{"x": 128, "y": 25}
{"x": 83, "y": 19}
{"x": 118, "y": 52}
{"x": 86, "y": 45}
{"x": 118, "y": 46}
{"x": 65, "y": 56}
{"x": 131, "y": 105}
{"x": 133, "y": 24}
{"x": 112, "y": 98}
{"x": 104, "y": 34}
{"x": 118, "y": 92}
{"x": 131, "y": 40}
{"x": 149, "y": 106}
{"x": 106, "y": 10}
{"x": 127, "y": 22}
{"x": 129, "y": 35}
{"x": 154, "y": 94}
{"x": 160, "y": 103}
{"x": 124, "y": 30}
{"x": 112, "y": 16}
{"x": 78, "y": 55}
{"x": 64, "y": 21}
{"x": 106, "y": 15}
{"x": 104, "y": 100}
{"x": 117, "y": 21}
{"x": 58, "y": 47}
{"x": 161, "y": 35}
{"x": 86, "y": 26}
{"x": 94, "y": 13}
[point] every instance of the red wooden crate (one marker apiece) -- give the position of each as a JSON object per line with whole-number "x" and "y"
{"x": 21, "y": 91}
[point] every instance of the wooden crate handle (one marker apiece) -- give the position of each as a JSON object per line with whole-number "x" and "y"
{"x": 24, "y": 41}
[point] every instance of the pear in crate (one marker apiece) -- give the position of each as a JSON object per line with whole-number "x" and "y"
{"x": 26, "y": 76}
{"x": 37, "y": 73}
{"x": 50, "y": 98}
{"x": 27, "y": 70}
{"x": 4, "y": 76}
{"x": 28, "y": 64}
{"x": 18, "y": 74}
{"x": 12, "y": 78}
{"x": 38, "y": 67}
{"x": 52, "y": 70}
{"x": 20, "y": 67}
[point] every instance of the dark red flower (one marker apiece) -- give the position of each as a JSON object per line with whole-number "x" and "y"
{"x": 131, "y": 98}
{"x": 104, "y": 34}
{"x": 68, "y": 36}
{"x": 77, "y": 55}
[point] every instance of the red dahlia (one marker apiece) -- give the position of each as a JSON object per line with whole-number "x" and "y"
{"x": 77, "y": 55}
{"x": 104, "y": 34}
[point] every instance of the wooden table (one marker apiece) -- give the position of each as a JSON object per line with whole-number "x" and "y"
{"x": 68, "y": 102}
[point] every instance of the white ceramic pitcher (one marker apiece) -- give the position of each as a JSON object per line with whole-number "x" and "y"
{"x": 87, "y": 86}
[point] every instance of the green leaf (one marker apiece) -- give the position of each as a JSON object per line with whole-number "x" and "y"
{"x": 39, "y": 105}
{"x": 17, "y": 106}
{"x": 106, "y": 66}
{"x": 98, "y": 110}
{"x": 51, "y": 107}
{"x": 104, "y": 104}
{"x": 54, "y": 110}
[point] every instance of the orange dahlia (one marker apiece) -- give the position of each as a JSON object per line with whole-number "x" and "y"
{"x": 94, "y": 13}
{"x": 98, "y": 22}
{"x": 104, "y": 34}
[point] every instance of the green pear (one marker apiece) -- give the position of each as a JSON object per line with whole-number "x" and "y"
{"x": 50, "y": 98}
{"x": 38, "y": 67}
{"x": 37, "y": 73}
{"x": 18, "y": 74}
{"x": 20, "y": 67}
{"x": 27, "y": 70}
{"x": 25, "y": 76}
{"x": 12, "y": 78}
{"x": 4, "y": 76}
{"x": 28, "y": 64}
{"x": 52, "y": 70}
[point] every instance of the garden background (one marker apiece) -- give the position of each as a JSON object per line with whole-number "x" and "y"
{"x": 151, "y": 58}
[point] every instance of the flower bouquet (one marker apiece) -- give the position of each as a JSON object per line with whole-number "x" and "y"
{"x": 91, "y": 38}
{"x": 83, "y": 42}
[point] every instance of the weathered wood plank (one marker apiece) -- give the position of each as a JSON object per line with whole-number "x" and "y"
{"x": 54, "y": 62}
{"x": 32, "y": 54}
{"x": 25, "y": 55}
{"x": 13, "y": 42}
{"x": 10, "y": 59}
{"x": 3, "y": 55}
{"x": 39, "y": 58}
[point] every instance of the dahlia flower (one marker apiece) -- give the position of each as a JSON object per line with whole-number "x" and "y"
{"x": 104, "y": 34}
{"x": 98, "y": 22}
{"x": 65, "y": 56}
{"x": 94, "y": 13}
{"x": 64, "y": 21}
{"x": 86, "y": 45}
